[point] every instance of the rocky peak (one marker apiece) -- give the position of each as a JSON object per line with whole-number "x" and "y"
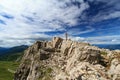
{"x": 62, "y": 59}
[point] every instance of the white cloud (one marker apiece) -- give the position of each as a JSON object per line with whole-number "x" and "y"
{"x": 78, "y": 31}
{"x": 32, "y": 16}
{"x": 45, "y": 10}
{"x": 115, "y": 39}
{"x": 106, "y": 9}
{"x": 113, "y": 15}
{"x": 77, "y": 38}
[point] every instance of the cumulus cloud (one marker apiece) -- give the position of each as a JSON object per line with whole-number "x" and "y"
{"x": 24, "y": 21}
{"x": 29, "y": 19}
{"x": 46, "y": 11}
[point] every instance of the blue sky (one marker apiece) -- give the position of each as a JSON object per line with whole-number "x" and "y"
{"x": 25, "y": 21}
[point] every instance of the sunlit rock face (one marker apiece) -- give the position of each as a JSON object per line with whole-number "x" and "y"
{"x": 62, "y": 59}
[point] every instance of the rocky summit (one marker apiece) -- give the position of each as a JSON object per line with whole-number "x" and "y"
{"x": 62, "y": 59}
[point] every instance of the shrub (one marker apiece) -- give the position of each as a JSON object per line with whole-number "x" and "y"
{"x": 103, "y": 53}
{"x": 45, "y": 73}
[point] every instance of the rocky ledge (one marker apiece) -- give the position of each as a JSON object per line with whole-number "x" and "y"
{"x": 62, "y": 59}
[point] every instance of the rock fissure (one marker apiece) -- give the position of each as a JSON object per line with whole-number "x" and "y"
{"x": 61, "y": 59}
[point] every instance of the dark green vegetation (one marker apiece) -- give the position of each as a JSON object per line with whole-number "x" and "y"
{"x": 7, "y": 69}
{"x": 8, "y": 58}
{"x": 103, "y": 53}
{"x": 12, "y": 54}
{"x": 11, "y": 57}
{"x": 12, "y": 50}
{"x": 45, "y": 73}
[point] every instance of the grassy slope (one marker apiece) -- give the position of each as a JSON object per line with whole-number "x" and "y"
{"x": 7, "y": 62}
{"x": 4, "y": 66}
{"x": 11, "y": 57}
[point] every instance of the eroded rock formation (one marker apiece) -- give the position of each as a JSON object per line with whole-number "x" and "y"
{"x": 62, "y": 59}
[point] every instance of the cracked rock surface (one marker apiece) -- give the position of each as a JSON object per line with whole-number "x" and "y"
{"x": 61, "y": 59}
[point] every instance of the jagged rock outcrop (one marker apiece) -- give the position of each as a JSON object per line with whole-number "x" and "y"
{"x": 62, "y": 59}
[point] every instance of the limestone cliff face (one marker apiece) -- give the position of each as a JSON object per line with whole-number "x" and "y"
{"x": 62, "y": 59}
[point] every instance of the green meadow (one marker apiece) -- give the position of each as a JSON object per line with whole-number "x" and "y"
{"x": 7, "y": 69}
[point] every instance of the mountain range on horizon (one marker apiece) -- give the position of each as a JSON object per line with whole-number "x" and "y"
{"x": 108, "y": 46}
{"x": 15, "y": 49}
{"x": 21, "y": 48}
{"x": 13, "y": 53}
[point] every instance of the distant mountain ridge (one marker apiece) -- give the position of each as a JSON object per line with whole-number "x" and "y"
{"x": 108, "y": 46}
{"x": 15, "y": 49}
{"x": 11, "y": 54}
{"x": 3, "y": 50}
